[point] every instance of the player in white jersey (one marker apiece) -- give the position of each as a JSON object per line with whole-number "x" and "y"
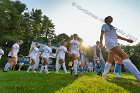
{"x": 74, "y": 50}
{"x": 60, "y": 58}
{"x": 45, "y": 54}
{"x": 1, "y": 52}
{"x": 13, "y": 55}
{"x": 33, "y": 56}
{"x": 111, "y": 43}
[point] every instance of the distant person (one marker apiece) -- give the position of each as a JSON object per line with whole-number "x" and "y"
{"x": 33, "y": 56}
{"x": 13, "y": 55}
{"x": 111, "y": 43}
{"x": 45, "y": 54}
{"x": 98, "y": 55}
{"x": 1, "y": 52}
{"x": 118, "y": 66}
{"x": 60, "y": 58}
{"x": 74, "y": 50}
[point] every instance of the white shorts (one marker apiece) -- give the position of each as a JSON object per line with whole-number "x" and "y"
{"x": 21, "y": 64}
{"x": 61, "y": 57}
{"x": 45, "y": 57}
{"x": 110, "y": 46}
{"x": 75, "y": 52}
{"x": 32, "y": 57}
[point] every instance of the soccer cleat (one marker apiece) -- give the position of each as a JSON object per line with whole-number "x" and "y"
{"x": 77, "y": 76}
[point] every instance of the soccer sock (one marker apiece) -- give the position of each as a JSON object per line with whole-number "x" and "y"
{"x": 29, "y": 68}
{"x": 33, "y": 66}
{"x": 57, "y": 67}
{"x": 132, "y": 68}
{"x": 75, "y": 66}
{"x": 107, "y": 68}
{"x": 46, "y": 69}
{"x": 7, "y": 66}
{"x": 64, "y": 67}
{"x": 42, "y": 68}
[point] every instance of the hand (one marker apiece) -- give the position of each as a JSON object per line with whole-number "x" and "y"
{"x": 129, "y": 40}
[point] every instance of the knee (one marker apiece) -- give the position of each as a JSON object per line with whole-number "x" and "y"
{"x": 124, "y": 56}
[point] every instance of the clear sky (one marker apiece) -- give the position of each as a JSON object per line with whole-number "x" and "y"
{"x": 69, "y": 19}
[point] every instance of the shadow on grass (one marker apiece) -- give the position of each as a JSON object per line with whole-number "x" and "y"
{"x": 129, "y": 84}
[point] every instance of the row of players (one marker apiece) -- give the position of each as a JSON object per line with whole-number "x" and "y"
{"x": 111, "y": 42}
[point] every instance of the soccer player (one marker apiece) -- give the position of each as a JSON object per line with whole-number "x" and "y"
{"x": 60, "y": 57}
{"x": 82, "y": 59}
{"x": 98, "y": 55}
{"x": 33, "y": 56}
{"x": 13, "y": 55}
{"x": 1, "y": 52}
{"x": 74, "y": 50}
{"x": 111, "y": 43}
{"x": 45, "y": 54}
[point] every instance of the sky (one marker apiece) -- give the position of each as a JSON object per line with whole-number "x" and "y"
{"x": 69, "y": 18}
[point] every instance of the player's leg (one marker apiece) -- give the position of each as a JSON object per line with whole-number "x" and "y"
{"x": 75, "y": 66}
{"x": 14, "y": 63}
{"x": 46, "y": 65}
{"x": 8, "y": 64}
{"x": 127, "y": 62}
{"x": 63, "y": 65}
{"x": 108, "y": 64}
{"x": 57, "y": 65}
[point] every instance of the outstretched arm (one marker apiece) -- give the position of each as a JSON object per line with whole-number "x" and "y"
{"x": 101, "y": 38}
{"x": 125, "y": 39}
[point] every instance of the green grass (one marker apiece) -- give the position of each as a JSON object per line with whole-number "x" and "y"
{"x": 22, "y": 82}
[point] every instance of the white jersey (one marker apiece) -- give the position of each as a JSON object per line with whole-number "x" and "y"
{"x": 15, "y": 51}
{"x": 46, "y": 51}
{"x": 62, "y": 52}
{"x": 111, "y": 39}
{"x": 1, "y": 53}
{"x": 34, "y": 53}
{"x": 75, "y": 45}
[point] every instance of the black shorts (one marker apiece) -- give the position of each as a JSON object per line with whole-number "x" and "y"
{"x": 11, "y": 57}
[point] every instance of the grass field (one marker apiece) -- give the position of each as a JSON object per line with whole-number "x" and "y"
{"x": 22, "y": 82}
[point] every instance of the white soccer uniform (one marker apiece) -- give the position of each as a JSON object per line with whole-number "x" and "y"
{"x": 61, "y": 55}
{"x": 111, "y": 39}
{"x": 75, "y": 47}
{"x": 62, "y": 52}
{"x": 16, "y": 50}
{"x": 46, "y": 52}
{"x": 1, "y": 53}
{"x": 34, "y": 53}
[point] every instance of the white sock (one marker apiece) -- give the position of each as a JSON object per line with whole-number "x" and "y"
{"x": 29, "y": 68}
{"x": 7, "y": 66}
{"x": 42, "y": 68}
{"x": 64, "y": 67}
{"x": 33, "y": 67}
{"x": 107, "y": 68}
{"x": 132, "y": 68}
{"x": 46, "y": 69}
{"x": 57, "y": 67}
{"x": 75, "y": 66}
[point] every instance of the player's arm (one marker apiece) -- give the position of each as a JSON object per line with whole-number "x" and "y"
{"x": 30, "y": 51}
{"x": 125, "y": 39}
{"x": 101, "y": 38}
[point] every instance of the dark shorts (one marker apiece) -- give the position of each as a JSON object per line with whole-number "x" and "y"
{"x": 11, "y": 57}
